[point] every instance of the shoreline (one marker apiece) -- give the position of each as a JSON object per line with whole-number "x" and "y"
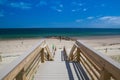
{"x": 65, "y": 37}
{"x": 98, "y": 37}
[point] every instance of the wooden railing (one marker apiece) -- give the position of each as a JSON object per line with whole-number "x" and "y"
{"x": 25, "y": 66}
{"x": 97, "y": 65}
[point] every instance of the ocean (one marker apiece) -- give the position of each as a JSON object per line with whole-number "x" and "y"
{"x": 49, "y": 32}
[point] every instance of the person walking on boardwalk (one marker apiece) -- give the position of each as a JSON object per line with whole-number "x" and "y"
{"x": 53, "y": 49}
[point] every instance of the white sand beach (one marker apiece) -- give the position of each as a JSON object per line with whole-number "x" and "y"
{"x": 12, "y": 49}
{"x": 109, "y": 45}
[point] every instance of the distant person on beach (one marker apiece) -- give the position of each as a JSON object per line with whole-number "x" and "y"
{"x": 106, "y": 50}
{"x": 60, "y": 38}
{"x": 22, "y": 42}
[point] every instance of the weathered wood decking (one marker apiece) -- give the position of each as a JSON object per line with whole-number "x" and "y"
{"x": 60, "y": 69}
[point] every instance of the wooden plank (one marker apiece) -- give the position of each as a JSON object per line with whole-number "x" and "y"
{"x": 87, "y": 69}
{"x": 78, "y": 54}
{"x": 71, "y": 52}
{"x": 107, "y": 63}
{"x": 97, "y": 67}
{"x": 90, "y": 67}
{"x": 16, "y": 66}
{"x": 42, "y": 56}
{"x": 49, "y": 53}
{"x": 105, "y": 75}
{"x": 31, "y": 57}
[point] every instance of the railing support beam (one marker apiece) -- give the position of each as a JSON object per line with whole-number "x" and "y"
{"x": 78, "y": 54}
{"x": 21, "y": 76}
{"x": 42, "y": 56}
{"x": 105, "y": 75}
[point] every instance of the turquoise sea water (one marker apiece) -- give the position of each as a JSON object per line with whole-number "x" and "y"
{"x": 47, "y": 32}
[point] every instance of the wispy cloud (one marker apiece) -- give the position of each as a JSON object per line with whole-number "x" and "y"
{"x": 78, "y": 20}
{"x": 2, "y": 13}
{"x": 104, "y": 22}
{"x": 42, "y": 3}
{"x": 77, "y": 4}
{"x": 73, "y": 10}
{"x": 99, "y": 22}
{"x": 90, "y": 17}
{"x": 56, "y": 9}
{"x": 110, "y": 19}
{"x": 57, "y": 6}
{"x": 80, "y": 4}
{"x": 21, "y": 5}
{"x": 85, "y": 9}
{"x": 61, "y": 5}
{"x": 59, "y": 10}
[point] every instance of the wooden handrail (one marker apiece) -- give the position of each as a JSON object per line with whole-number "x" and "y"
{"x": 24, "y": 67}
{"x": 98, "y": 66}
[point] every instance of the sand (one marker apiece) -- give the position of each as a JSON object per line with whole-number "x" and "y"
{"x": 12, "y": 49}
{"x": 109, "y": 45}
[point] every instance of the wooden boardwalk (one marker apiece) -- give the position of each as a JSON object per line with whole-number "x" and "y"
{"x": 82, "y": 63}
{"x": 60, "y": 69}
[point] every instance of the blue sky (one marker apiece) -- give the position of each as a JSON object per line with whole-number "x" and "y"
{"x": 60, "y": 13}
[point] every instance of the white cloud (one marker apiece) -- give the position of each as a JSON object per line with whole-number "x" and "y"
{"x": 42, "y": 3}
{"x": 104, "y": 22}
{"x": 77, "y": 3}
{"x": 76, "y": 10}
{"x": 84, "y": 9}
{"x": 59, "y": 10}
{"x": 111, "y": 19}
{"x": 90, "y": 17}
{"x": 80, "y": 4}
{"x": 56, "y": 9}
{"x": 21, "y": 5}
{"x": 73, "y": 10}
{"x": 61, "y": 5}
{"x": 78, "y": 20}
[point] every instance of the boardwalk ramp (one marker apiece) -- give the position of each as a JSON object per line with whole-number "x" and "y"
{"x": 60, "y": 69}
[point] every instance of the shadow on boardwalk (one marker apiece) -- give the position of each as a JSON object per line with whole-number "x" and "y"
{"x": 81, "y": 74}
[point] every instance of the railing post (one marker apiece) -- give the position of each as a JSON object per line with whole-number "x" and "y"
{"x": 0, "y": 58}
{"x": 105, "y": 75}
{"x": 71, "y": 57}
{"x": 21, "y": 75}
{"x": 78, "y": 54}
{"x": 71, "y": 53}
{"x": 47, "y": 53}
{"x": 65, "y": 54}
{"x": 42, "y": 55}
